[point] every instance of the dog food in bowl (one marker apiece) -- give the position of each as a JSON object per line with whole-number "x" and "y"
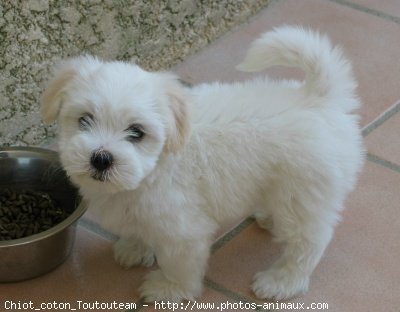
{"x": 27, "y": 212}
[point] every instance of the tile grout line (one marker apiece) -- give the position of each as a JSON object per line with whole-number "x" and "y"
{"x": 222, "y": 241}
{"x": 96, "y": 229}
{"x": 367, "y": 10}
{"x": 385, "y": 163}
{"x": 395, "y": 108}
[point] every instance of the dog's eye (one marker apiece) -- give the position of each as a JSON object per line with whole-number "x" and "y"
{"x": 85, "y": 121}
{"x": 135, "y": 133}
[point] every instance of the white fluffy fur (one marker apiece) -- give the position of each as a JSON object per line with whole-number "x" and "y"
{"x": 287, "y": 152}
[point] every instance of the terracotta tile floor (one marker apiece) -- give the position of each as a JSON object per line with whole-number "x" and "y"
{"x": 360, "y": 270}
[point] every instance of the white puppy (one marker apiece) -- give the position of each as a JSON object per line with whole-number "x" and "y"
{"x": 164, "y": 165}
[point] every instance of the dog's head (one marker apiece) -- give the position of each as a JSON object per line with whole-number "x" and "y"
{"x": 115, "y": 120}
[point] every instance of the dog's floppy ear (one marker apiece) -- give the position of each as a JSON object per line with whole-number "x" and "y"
{"x": 64, "y": 73}
{"x": 53, "y": 95}
{"x": 179, "y": 125}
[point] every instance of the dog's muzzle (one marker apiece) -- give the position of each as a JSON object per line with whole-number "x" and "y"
{"x": 101, "y": 160}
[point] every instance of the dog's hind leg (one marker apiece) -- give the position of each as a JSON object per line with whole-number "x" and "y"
{"x": 306, "y": 229}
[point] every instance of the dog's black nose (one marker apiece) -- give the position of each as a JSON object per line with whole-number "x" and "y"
{"x": 101, "y": 160}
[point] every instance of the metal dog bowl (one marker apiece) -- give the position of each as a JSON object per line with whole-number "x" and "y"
{"x": 38, "y": 169}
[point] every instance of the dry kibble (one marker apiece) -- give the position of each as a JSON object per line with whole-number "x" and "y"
{"x": 26, "y": 212}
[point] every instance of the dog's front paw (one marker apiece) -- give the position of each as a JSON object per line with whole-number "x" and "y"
{"x": 157, "y": 287}
{"x": 129, "y": 253}
{"x": 279, "y": 284}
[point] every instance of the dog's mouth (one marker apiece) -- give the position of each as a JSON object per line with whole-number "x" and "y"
{"x": 102, "y": 176}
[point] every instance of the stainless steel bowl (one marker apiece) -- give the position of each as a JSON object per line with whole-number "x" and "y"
{"x": 40, "y": 170}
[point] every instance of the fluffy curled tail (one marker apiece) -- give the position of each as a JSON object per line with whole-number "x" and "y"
{"x": 328, "y": 73}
